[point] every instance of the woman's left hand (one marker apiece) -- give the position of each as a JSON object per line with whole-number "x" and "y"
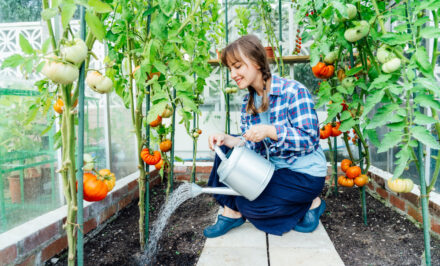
{"x": 258, "y": 133}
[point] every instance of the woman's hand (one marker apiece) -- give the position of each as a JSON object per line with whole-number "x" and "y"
{"x": 223, "y": 139}
{"x": 259, "y": 132}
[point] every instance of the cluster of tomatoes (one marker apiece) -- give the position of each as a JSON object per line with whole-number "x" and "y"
{"x": 298, "y": 43}
{"x": 354, "y": 138}
{"x": 330, "y": 130}
{"x": 352, "y": 176}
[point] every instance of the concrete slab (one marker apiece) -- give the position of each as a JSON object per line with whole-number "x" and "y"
{"x": 295, "y": 248}
{"x": 244, "y": 245}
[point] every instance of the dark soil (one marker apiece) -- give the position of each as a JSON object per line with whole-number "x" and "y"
{"x": 181, "y": 243}
{"x": 389, "y": 238}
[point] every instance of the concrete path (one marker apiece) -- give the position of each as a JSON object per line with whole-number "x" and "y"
{"x": 247, "y": 245}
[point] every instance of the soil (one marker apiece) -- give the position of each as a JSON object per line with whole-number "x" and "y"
{"x": 389, "y": 238}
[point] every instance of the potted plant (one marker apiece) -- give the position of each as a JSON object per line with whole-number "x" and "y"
{"x": 19, "y": 137}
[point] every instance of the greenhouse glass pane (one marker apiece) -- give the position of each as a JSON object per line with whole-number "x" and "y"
{"x": 123, "y": 140}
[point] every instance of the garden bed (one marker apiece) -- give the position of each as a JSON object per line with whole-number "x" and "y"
{"x": 389, "y": 238}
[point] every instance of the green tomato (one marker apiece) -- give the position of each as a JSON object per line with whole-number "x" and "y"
{"x": 331, "y": 57}
{"x": 391, "y": 66}
{"x": 75, "y": 53}
{"x": 60, "y": 72}
{"x": 351, "y": 11}
{"x": 348, "y": 82}
{"x": 383, "y": 55}
{"x": 358, "y": 32}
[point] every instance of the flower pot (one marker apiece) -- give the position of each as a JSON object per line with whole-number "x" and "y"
{"x": 269, "y": 52}
{"x": 33, "y": 186}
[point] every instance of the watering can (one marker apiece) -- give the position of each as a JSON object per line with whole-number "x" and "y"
{"x": 245, "y": 173}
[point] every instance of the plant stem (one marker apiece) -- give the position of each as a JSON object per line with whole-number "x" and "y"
{"x": 50, "y": 29}
{"x": 376, "y": 9}
{"x": 434, "y": 48}
{"x": 347, "y": 145}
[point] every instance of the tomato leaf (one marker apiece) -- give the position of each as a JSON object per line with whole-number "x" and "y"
{"x": 429, "y": 84}
{"x": 396, "y": 38}
{"x": 422, "y": 60}
{"x": 49, "y": 13}
{"x": 167, "y": 6}
{"x": 99, "y": 6}
{"x": 353, "y": 71}
{"x": 346, "y": 125}
{"x": 372, "y": 136}
{"x": 67, "y": 12}
{"x": 156, "y": 110}
{"x": 390, "y": 140}
{"x": 422, "y": 119}
{"x": 403, "y": 156}
{"x": 382, "y": 116}
{"x": 371, "y": 101}
{"x": 430, "y": 32}
{"x": 425, "y": 137}
{"x": 95, "y": 25}
{"x": 25, "y": 45}
{"x": 427, "y": 101}
{"x": 159, "y": 27}
{"x": 12, "y": 61}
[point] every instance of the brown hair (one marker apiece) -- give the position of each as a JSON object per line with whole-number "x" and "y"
{"x": 249, "y": 46}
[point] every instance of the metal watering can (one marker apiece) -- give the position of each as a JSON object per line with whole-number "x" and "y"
{"x": 245, "y": 173}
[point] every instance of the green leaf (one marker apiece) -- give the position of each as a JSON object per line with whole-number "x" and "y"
{"x": 425, "y": 137}
{"x": 333, "y": 110}
{"x": 353, "y": 71}
{"x": 67, "y": 12}
{"x": 95, "y": 25}
{"x": 167, "y": 6}
{"x": 396, "y": 38}
{"x": 379, "y": 81}
{"x": 99, "y": 6}
{"x": 422, "y": 119}
{"x": 421, "y": 21}
{"x": 156, "y": 110}
{"x": 429, "y": 84}
{"x": 427, "y": 101}
{"x": 422, "y": 59}
{"x": 49, "y": 13}
{"x": 372, "y": 100}
{"x": 25, "y": 45}
{"x": 390, "y": 140}
{"x": 382, "y": 116}
{"x": 159, "y": 27}
{"x": 346, "y": 125}
{"x": 160, "y": 66}
{"x": 403, "y": 156}
{"x": 45, "y": 46}
{"x": 345, "y": 115}
{"x": 12, "y": 61}
{"x": 372, "y": 136}
{"x": 430, "y": 32}
{"x": 188, "y": 102}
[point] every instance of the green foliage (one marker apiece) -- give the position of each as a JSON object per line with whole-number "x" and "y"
{"x": 20, "y": 10}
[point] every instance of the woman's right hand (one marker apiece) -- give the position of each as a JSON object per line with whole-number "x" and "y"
{"x": 217, "y": 139}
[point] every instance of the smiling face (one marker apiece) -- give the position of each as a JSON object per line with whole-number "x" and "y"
{"x": 244, "y": 72}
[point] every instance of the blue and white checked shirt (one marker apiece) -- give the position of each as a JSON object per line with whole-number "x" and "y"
{"x": 294, "y": 117}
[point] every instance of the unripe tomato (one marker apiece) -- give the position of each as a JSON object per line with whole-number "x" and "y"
{"x": 108, "y": 178}
{"x": 76, "y": 52}
{"x": 168, "y": 112}
{"x": 98, "y": 82}
{"x": 58, "y": 72}
{"x": 401, "y": 185}
{"x": 345, "y": 164}
{"x": 356, "y": 33}
{"x": 331, "y": 57}
{"x": 361, "y": 180}
{"x": 391, "y": 65}
{"x": 353, "y": 172}
{"x": 341, "y": 74}
{"x": 165, "y": 145}
{"x": 156, "y": 122}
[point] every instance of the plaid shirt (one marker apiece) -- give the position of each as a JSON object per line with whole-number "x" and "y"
{"x": 294, "y": 117}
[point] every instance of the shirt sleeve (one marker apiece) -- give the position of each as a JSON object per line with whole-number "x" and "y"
{"x": 300, "y": 134}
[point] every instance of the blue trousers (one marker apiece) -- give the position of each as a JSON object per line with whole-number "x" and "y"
{"x": 280, "y": 206}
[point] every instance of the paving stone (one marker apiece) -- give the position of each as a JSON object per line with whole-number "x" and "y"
{"x": 243, "y": 256}
{"x": 244, "y": 236}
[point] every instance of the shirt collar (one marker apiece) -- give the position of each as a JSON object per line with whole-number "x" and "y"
{"x": 275, "y": 86}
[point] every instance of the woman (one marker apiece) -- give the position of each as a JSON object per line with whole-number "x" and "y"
{"x": 281, "y": 113}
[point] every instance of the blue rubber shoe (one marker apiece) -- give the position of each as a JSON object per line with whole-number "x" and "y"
{"x": 223, "y": 225}
{"x": 311, "y": 220}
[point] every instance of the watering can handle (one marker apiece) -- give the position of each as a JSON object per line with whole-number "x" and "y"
{"x": 220, "y": 153}
{"x": 243, "y": 141}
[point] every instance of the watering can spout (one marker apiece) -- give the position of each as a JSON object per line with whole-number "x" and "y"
{"x": 197, "y": 190}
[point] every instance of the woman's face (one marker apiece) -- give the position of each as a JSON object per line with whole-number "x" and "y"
{"x": 245, "y": 72}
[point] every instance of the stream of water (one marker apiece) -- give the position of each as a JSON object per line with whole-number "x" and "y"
{"x": 180, "y": 195}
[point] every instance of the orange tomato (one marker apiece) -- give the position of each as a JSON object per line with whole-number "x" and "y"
{"x": 156, "y": 122}
{"x": 165, "y": 145}
{"x": 345, "y": 182}
{"x": 150, "y": 159}
{"x": 159, "y": 165}
{"x": 58, "y": 106}
{"x": 323, "y": 71}
{"x": 93, "y": 188}
{"x": 325, "y": 131}
{"x": 335, "y": 129}
{"x": 361, "y": 180}
{"x": 108, "y": 177}
{"x": 345, "y": 164}
{"x": 353, "y": 172}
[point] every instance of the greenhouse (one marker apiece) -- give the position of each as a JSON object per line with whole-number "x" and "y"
{"x": 219, "y": 132}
